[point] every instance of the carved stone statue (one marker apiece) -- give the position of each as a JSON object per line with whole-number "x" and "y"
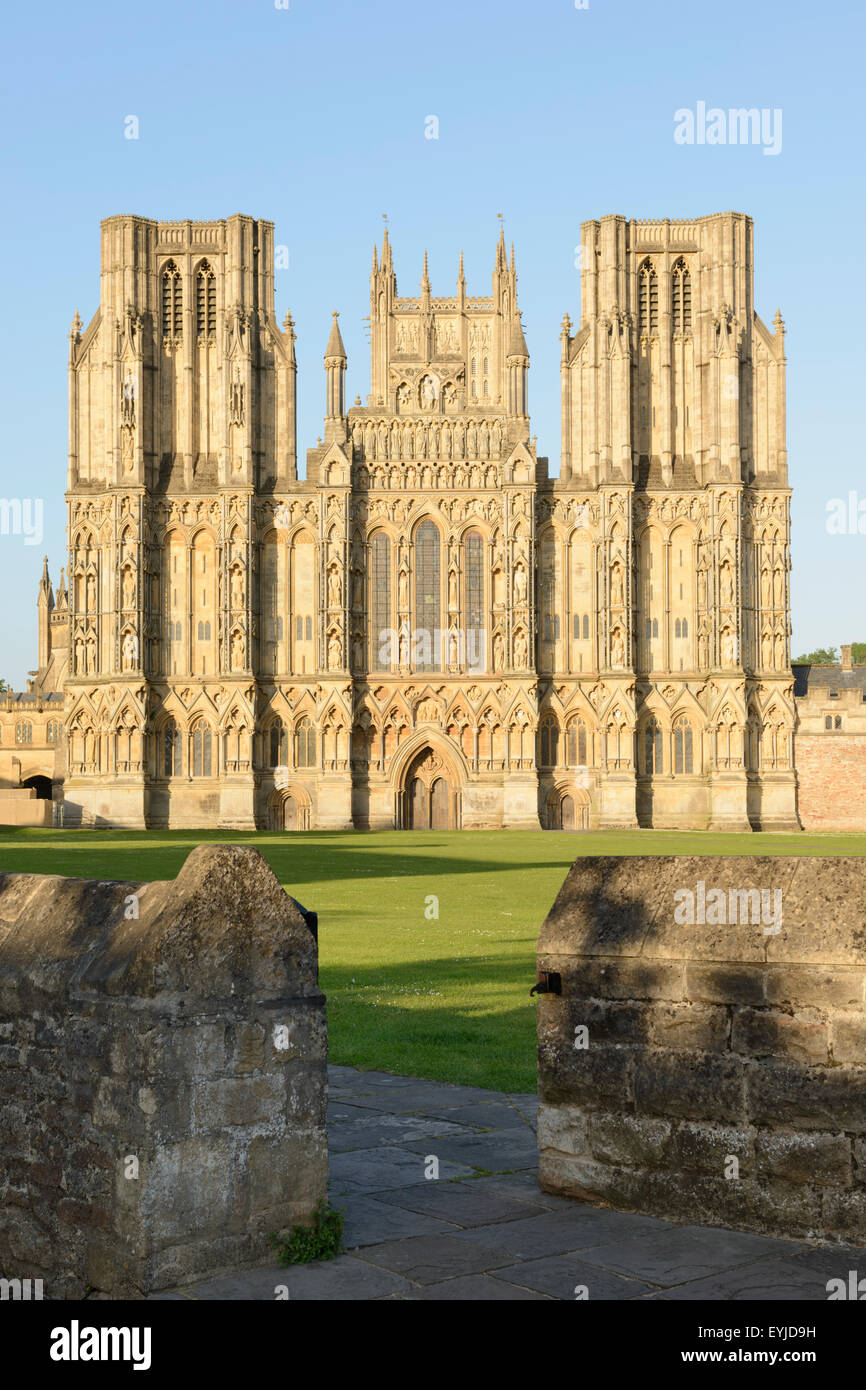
{"x": 617, "y": 589}
{"x": 521, "y": 649}
{"x": 129, "y": 650}
{"x": 335, "y": 588}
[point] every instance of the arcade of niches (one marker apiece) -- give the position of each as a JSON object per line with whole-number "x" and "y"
{"x": 427, "y": 630}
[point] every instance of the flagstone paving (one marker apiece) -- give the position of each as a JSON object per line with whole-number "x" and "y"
{"x": 439, "y": 1190}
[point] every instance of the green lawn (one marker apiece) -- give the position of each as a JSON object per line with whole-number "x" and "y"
{"x": 447, "y": 997}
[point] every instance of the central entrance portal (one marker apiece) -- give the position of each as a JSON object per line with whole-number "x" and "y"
{"x": 429, "y": 797}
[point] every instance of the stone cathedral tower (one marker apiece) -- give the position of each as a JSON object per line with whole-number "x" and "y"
{"x": 673, "y": 588}
{"x": 427, "y": 630}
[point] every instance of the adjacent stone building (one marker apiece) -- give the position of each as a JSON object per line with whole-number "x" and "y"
{"x": 830, "y": 744}
{"x": 428, "y": 629}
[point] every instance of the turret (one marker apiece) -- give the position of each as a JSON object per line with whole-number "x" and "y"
{"x": 335, "y": 376}
{"x": 518, "y": 366}
{"x": 44, "y": 607}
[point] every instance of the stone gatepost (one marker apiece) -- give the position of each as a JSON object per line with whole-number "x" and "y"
{"x": 706, "y": 1058}
{"x": 163, "y": 1051}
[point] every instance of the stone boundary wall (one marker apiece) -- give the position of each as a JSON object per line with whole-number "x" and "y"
{"x": 163, "y": 1051}
{"x": 21, "y": 806}
{"x": 721, "y": 1076}
{"x": 831, "y": 781}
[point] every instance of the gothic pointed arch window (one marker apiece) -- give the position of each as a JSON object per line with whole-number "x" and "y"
{"x": 381, "y": 656}
{"x": 305, "y": 744}
{"x": 427, "y": 596}
{"x": 205, "y": 281}
{"x": 202, "y": 751}
{"x": 648, "y": 291}
{"x": 172, "y": 302}
{"x": 548, "y": 742}
{"x": 683, "y": 747}
{"x": 681, "y": 294}
{"x": 576, "y": 743}
{"x": 278, "y": 744}
{"x": 171, "y": 750}
{"x": 474, "y": 580}
{"x": 653, "y": 748}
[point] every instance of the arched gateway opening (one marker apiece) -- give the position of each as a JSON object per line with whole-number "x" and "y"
{"x": 568, "y": 809}
{"x": 428, "y": 795}
{"x": 288, "y": 810}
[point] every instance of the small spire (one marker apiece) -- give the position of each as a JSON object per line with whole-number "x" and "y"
{"x": 375, "y": 260}
{"x": 386, "y": 248}
{"x": 289, "y": 324}
{"x": 461, "y": 278}
{"x": 565, "y": 326}
{"x": 425, "y": 278}
{"x": 517, "y": 346}
{"x": 75, "y": 330}
{"x": 335, "y": 347}
{"x": 501, "y": 258}
{"x": 513, "y": 266}
{"x": 45, "y": 579}
{"x": 779, "y": 322}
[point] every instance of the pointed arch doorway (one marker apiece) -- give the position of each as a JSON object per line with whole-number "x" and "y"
{"x": 428, "y": 795}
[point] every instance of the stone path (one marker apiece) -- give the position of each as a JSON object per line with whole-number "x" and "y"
{"x": 483, "y": 1229}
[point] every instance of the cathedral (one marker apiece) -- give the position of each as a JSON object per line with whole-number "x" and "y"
{"x": 427, "y": 630}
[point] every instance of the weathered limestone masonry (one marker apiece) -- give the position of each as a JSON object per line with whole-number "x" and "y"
{"x": 709, "y": 1042}
{"x": 191, "y": 1038}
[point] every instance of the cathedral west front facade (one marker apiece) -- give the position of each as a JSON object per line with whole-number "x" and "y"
{"x": 427, "y": 630}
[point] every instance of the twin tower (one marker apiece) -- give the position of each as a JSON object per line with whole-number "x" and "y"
{"x": 427, "y": 630}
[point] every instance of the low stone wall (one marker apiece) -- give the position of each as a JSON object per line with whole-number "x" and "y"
{"x": 702, "y": 1064}
{"x": 21, "y": 806}
{"x": 163, "y": 1052}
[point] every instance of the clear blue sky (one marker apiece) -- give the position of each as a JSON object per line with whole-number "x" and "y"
{"x": 314, "y": 116}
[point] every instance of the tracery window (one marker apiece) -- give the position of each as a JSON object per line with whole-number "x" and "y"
{"x": 278, "y": 744}
{"x": 576, "y": 744}
{"x": 649, "y": 298}
{"x": 474, "y": 550}
{"x": 380, "y": 601}
{"x": 653, "y": 749}
{"x": 681, "y": 291}
{"x": 548, "y": 742}
{"x": 427, "y": 596}
{"x": 206, "y": 300}
{"x": 683, "y": 747}
{"x": 305, "y": 744}
{"x": 171, "y": 750}
{"x": 202, "y": 751}
{"x": 172, "y": 302}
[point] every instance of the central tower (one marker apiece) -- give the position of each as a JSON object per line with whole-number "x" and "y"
{"x": 437, "y": 626}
